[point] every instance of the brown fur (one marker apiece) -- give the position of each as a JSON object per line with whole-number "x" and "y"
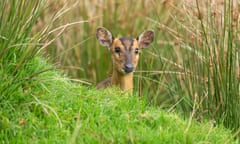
{"x": 125, "y": 59}
{"x": 120, "y": 59}
{"x": 104, "y": 84}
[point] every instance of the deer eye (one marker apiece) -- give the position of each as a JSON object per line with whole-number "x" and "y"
{"x": 136, "y": 51}
{"x": 117, "y": 49}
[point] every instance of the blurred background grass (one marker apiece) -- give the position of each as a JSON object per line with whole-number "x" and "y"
{"x": 192, "y": 67}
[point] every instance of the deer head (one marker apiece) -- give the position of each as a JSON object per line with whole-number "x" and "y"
{"x": 125, "y": 50}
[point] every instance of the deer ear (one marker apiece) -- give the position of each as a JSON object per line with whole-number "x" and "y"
{"x": 104, "y": 36}
{"x": 145, "y": 38}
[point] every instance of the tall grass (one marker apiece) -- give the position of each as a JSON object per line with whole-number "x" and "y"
{"x": 19, "y": 65}
{"x": 18, "y": 48}
{"x": 222, "y": 67}
{"x": 192, "y": 67}
{"x": 209, "y": 83}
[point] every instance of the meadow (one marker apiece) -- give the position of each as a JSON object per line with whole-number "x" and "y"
{"x": 187, "y": 83}
{"x": 192, "y": 67}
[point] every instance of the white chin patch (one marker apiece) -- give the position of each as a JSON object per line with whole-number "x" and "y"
{"x": 123, "y": 71}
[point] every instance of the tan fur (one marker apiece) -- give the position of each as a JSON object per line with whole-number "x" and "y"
{"x": 104, "y": 84}
{"x": 119, "y": 60}
{"x": 124, "y": 81}
{"x": 126, "y": 55}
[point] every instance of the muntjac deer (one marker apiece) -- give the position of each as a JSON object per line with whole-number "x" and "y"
{"x": 125, "y": 54}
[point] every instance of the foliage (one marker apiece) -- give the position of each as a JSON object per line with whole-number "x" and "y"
{"x": 193, "y": 66}
{"x": 38, "y": 105}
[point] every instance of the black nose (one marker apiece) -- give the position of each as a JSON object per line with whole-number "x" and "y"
{"x": 128, "y": 68}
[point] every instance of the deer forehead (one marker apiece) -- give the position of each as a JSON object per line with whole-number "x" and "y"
{"x": 125, "y": 43}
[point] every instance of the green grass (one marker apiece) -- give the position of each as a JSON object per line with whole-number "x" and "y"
{"x": 210, "y": 83}
{"x": 54, "y": 110}
{"x": 38, "y": 105}
{"x": 192, "y": 66}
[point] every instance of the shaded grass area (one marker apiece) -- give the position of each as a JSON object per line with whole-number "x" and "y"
{"x": 54, "y": 110}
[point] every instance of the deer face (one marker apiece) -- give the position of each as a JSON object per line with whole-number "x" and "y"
{"x": 125, "y": 50}
{"x": 125, "y": 54}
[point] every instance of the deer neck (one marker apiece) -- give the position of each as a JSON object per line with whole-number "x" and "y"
{"x": 125, "y": 81}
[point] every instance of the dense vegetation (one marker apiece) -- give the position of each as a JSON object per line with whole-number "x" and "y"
{"x": 38, "y": 105}
{"x": 192, "y": 67}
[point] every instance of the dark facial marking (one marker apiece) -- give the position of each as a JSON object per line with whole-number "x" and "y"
{"x": 127, "y": 42}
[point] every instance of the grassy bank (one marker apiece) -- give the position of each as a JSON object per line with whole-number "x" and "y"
{"x": 57, "y": 111}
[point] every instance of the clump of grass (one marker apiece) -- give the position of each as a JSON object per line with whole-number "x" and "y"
{"x": 223, "y": 81}
{"x": 18, "y": 66}
{"x": 209, "y": 85}
{"x": 202, "y": 76}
